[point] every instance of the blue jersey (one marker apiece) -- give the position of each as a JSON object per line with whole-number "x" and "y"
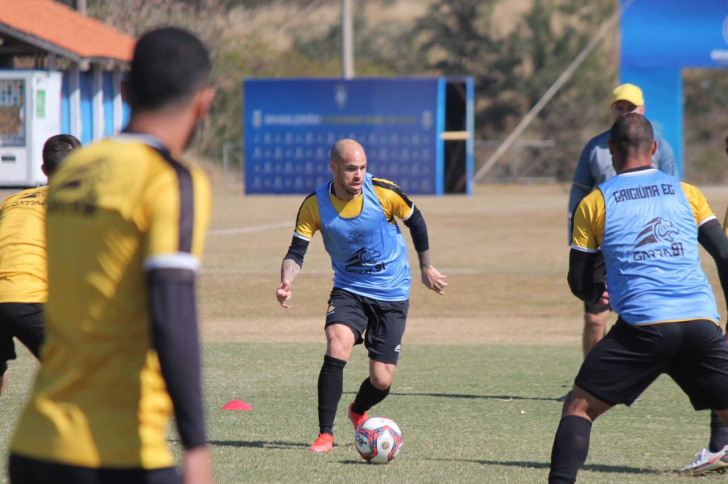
{"x": 650, "y": 247}
{"x": 368, "y": 254}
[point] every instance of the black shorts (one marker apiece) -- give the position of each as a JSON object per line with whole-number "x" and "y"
{"x": 600, "y": 275}
{"x": 377, "y": 324}
{"x": 23, "y": 470}
{"x": 23, "y": 321}
{"x": 629, "y": 358}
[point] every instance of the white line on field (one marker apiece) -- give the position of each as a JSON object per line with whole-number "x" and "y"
{"x": 253, "y": 228}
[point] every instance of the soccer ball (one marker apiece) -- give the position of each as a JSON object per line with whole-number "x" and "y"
{"x": 378, "y": 440}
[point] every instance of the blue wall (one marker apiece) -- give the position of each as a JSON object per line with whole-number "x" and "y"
{"x": 87, "y": 126}
{"x": 86, "y": 84}
{"x": 65, "y": 110}
{"x": 661, "y": 37}
{"x": 108, "y": 83}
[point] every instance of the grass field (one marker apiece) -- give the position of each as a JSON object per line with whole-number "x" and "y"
{"x": 479, "y": 371}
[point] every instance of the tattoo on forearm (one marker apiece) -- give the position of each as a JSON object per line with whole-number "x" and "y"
{"x": 289, "y": 270}
{"x": 424, "y": 258}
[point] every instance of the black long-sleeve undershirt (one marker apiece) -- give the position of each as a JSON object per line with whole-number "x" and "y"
{"x": 415, "y": 223}
{"x": 581, "y": 264}
{"x": 713, "y": 239}
{"x": 581, "y": 276}
{"x": 297, "y": 250}
{"x": 418, "y": 229}
{"x": 173, "y": 312}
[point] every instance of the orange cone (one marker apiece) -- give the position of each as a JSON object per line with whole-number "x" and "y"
{"x": 236, "y": 405}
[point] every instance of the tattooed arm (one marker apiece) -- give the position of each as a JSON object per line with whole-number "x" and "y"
{"x": 431, "y": 277}
{"x": 290, "y": 269}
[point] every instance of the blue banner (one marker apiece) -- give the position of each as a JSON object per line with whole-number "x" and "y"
{"x": 658, "y": 39}
{"x": 675, "y": 33}
{"x": 291, "y": 125}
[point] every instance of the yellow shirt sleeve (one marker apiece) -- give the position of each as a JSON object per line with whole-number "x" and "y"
{"x": 202, "y": 191}
{"x": 589, "y": 223}
{"x": 701, "y": 209}
{"x": 308, "y": 220}
{"x": 177, "y": 207}
{"x": 394, "y": 202}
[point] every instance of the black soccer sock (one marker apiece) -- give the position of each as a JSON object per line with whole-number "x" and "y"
{"x": 571, "y": 446}
{"x": 718, "y": 433}
{"x": 368, "y": 396}
{"x": 330, "y": 387}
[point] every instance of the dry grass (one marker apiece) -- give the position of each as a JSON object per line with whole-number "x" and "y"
{"x": 475, "y": 389}
{"x": 504, "y": 251}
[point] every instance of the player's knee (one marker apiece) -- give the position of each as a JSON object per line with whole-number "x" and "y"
{"x": 381, "y": 380}
{"x": 338, "y": 352}
{"x": 582, "y": 404}
{"x": 575, "y": 407}
{"x": 339, "y": 348}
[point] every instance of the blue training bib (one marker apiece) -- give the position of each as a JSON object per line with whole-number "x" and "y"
{"x": 650, "y": 248}
{"x": 367, "y": 252}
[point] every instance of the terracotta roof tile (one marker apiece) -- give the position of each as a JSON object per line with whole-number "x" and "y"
{"x": 64, "y": 27}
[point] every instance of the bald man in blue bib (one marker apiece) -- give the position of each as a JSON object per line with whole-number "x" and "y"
{"x": 355, "y": 213}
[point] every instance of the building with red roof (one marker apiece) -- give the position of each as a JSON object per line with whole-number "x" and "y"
{"x": 60, "y": 72}
{"x": 91, "y": 54}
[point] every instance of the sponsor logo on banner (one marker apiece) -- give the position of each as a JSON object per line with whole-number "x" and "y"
{"x": 340, "y": 95}
{"x": 721, "y": 55}
{"x": 427, "y": 119}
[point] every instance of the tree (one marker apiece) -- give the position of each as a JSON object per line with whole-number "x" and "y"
{"x": 550, "y": 37}
{"x": 384, "y": 48}
{"x": 455, "y": 39}
{"x": 514, "y": 70}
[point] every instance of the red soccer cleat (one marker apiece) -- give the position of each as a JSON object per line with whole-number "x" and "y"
{"x": 323, "y": 443}
{"x": 357, "y": 419}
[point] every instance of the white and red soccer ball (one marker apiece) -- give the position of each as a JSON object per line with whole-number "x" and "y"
{"x": 378, "y": 440}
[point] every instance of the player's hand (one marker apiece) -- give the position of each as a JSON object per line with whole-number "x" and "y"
{"x": 604, "y": 300}
{"x": 283, "y": 294}
{"x": 197, "y": 466}
{"x": 432, "y": 278}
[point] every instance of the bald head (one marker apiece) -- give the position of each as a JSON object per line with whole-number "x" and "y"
{"x": 349, "y": 167}
{"x": 345, "y": 150}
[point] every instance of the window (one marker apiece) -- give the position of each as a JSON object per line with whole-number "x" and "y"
{"x": 12, "y": 112}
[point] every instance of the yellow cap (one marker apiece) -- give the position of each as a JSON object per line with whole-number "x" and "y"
{"x": 629, "y": 93}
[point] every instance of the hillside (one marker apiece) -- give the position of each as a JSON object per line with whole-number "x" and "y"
{"x": 515, "y": 49}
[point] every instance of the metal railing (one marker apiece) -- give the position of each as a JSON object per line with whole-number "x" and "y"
{"x": 538, "y": 161}
{"x": 233, "y": 162}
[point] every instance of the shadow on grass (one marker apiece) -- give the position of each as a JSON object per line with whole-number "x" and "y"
{"x": 467, "y": 397}
{"x": 546, "y": 465}
{"x": 258, "y": 444}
